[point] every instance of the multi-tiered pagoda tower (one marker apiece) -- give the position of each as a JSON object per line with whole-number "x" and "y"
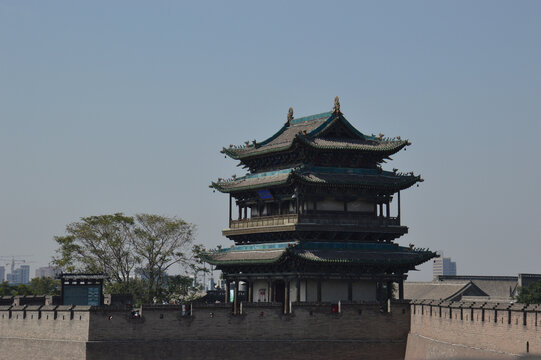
{"x": 314, "y": 220}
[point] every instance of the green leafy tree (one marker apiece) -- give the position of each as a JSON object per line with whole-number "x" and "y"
{"x": 37, "y": 286}
{"x": 45, "y": 286}
{"x": 22, "y": 289}
{"x": 198, "y": 265}
{"x": 136, "y": 287}
{"x": 98, "y": 244}
{"x": 530, "y": 294}
{"x": 12, "y": 290}
{"x": 160, "y": 243}
{"x": 116, "y": 245}
{"x": 180, "y": 288}
{"x": 6, "y": 289}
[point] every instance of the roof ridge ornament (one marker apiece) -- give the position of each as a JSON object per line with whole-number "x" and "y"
{"x": 336, "y": 108}
{"x": 290, "y": 116}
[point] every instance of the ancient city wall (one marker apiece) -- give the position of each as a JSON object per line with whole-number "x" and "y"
{"x": 462, "y": 330}
{"x": 43, "y": 332}
{"x": 262, "y": 330}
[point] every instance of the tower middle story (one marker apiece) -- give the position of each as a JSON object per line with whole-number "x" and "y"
{"x": 311, "y": 221}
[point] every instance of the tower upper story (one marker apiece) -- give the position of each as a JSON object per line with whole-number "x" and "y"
{"x": 325, "y": 139}
{"x": 317, "y": 177}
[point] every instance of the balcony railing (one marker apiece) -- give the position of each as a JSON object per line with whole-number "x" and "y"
{"x": 276, "y": 220}
{"x": 347, "y": 219}
{"x": 316, "y": 219}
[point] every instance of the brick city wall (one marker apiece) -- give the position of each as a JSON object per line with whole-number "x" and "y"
{"x": 460, "y": 330}
{"x": 43, "y": 332}
{"x": 311, "y": 331}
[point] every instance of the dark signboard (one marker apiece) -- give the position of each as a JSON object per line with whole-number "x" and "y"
{"x": 82, "y": 294}
{"x": 82, "y": 289}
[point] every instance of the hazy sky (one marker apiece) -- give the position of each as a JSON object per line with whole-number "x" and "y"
{"x": 123, "y": 106}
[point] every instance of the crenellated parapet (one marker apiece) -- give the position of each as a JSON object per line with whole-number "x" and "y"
{"x": 473, "y": 329}
{"x": 509, "y": 313}
{"x": 210, "y": 321}
{"x": 346, "y": 330}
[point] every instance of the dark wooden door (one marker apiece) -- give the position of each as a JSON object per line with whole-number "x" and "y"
{"x": 280, "y": 291}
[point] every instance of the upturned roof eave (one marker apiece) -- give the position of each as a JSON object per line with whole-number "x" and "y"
{"x": 234, "y": 153}
{"x": 295, "y": 175}
{"x": 393, "y": 187}
{"x": 361, "y": 148}
{"x": 222, "y": 189}
{"x": 208, "y": 258}
{"x": 305, "y": 140}
{"x": 423, "y": 257}
{"x": 407, "y": 262}
{"x": 239, "y": 262}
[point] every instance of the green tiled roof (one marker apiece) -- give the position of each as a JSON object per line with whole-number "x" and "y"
{"x": 307, "y": 130}
{"x": 364, "y": 178}
{"x": 324, "y": 115}
{"x": 252, "y": 181}
{"x": 390, "y": 146}
{"x": 244, "y": 257}
{"x": 324, "y": 252}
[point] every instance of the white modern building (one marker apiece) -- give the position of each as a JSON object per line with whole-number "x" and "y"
{"x": 443, "y": 266}
{"x": 46, "y": 271}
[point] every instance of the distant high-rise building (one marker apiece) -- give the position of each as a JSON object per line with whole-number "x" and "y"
{"x": 2, "y": 273}
{"x": 46, "y": 271}
{"x": 443, "y": 266}
{"x": 25, "y": 274}
{"x": 20, "y": 275}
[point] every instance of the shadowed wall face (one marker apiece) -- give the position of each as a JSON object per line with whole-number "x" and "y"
{"x": 312, "y": 331}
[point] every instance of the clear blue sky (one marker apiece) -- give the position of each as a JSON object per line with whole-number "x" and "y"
{"x": 124, "y": 106}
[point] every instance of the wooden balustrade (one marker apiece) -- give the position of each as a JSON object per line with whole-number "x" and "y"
{"x": 313, "y": 218}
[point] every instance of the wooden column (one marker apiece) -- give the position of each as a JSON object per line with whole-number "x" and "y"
{"x": 319, "y": 290}
{"x": 401, "y": 289}
{"x": 250, "y": 291}
{"x": 227, "y": 288}
{"x": 236, "y": 298}
{"x": 399, "y": 207}
{"x": 286, "y": 296}
{"x": 240, "y": 211}
{"x": 350, "y": 290}
{"x": 296, "y": 201}
{"x": 298, "y": 289}
{"x": 230, "y": 209}
{"x": 389, "y": 290}
{"x": 379, "y": 291}
{"x": 269, "y": 295}
{"x": 388, "y": 208}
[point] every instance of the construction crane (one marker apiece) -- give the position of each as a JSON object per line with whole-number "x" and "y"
{"x": 13, "y": 261}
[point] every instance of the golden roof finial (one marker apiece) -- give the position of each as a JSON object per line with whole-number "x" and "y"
{"x": 336, "y": 108}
